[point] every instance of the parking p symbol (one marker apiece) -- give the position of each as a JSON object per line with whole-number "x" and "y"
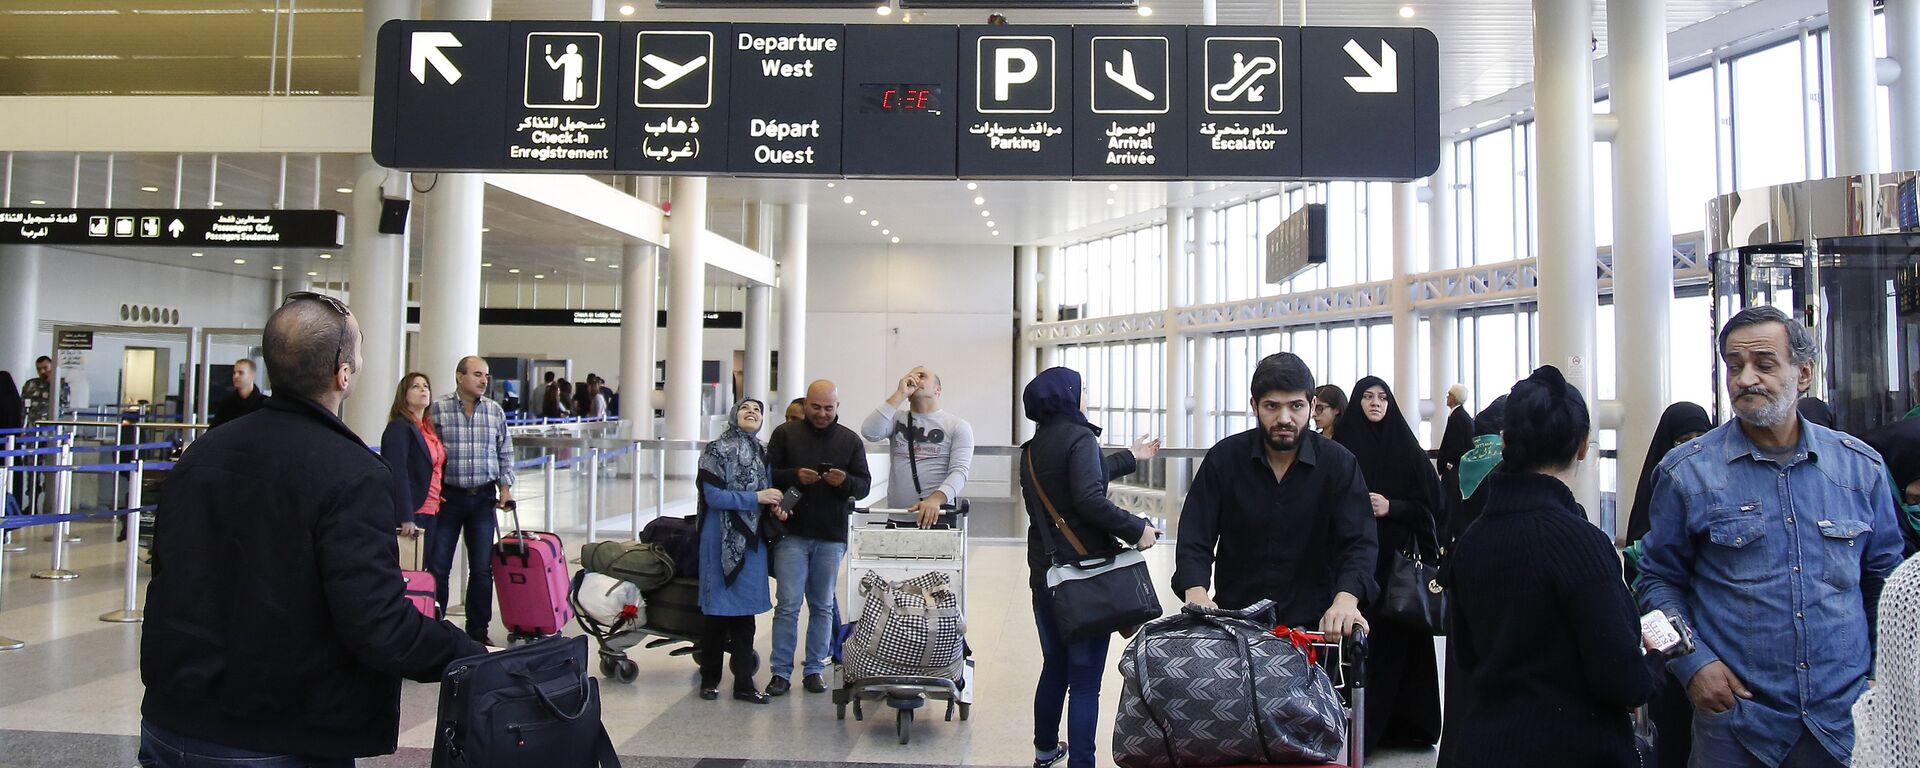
{"x": 1016, "y": 74}
{"x": 1004, "y": 74}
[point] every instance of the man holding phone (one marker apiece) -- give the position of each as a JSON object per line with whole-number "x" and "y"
{"x": 827, "y": 462}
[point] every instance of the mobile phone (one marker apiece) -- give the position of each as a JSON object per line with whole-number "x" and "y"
{"x": 1668, "y": 635}
{"x": 790, "y": 499}
{"x": 824, "y": 468}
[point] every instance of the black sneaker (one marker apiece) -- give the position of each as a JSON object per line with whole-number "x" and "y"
{"x": 1050, "y": 759}
{"x": 778, "y": 686}
{"x": 815, "y": 683}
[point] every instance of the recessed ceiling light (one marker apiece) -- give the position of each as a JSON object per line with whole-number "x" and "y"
{"x": 990, "y": 225}
{"x": 486, "y": 264}
{"x": 863, "y": 211}
{"x": 513, "y": 271}
{"x": 486, "y": 229}
{"x": 313, "y": 274}
{"x": 218, "y": 204}
{"x": 626, "y": 10}
{"x": 149, "y": 189}
{"x": 848, "y": 199}
{"x": 590, "y": 259}
{"x": 1406, "y": 11}
{"x": 278, "y": 268}
{"x": 996, "y": 233}
{"x": 326, "y": 256}
{"x": 1113, "y": 187}
{"x": 873, "y": 223}
{"x": 972, "y": 186}
{"x": 197, "y": 254}
{"x": 539, "y": 277}
{"x": 613, "y": 266}
{"x": 886, "y": 231}
{"x": 896, "y": 239}
{"x": 985, "y": 214}
{"x": 1146, "y": 11}
{"x": 344, "y": 190}
{"x": 979, "y": 201}
{"x": 1109, "y": 201}
{"x": 239, "y": 261}
{"x": 829, "y": 185}
{"x": 884, "y": 10}
{"x": 37, "y": 202}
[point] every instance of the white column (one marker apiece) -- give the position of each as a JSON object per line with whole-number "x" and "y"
{"x": 1205, "y": 371}
{"x": 1179, "y": 425}
{"x": 1903, "y": 46}
{"x": 756, "y": 374}
{"x": 1642, "y": 235}
{"x": 450, "y": 266}
{"x": 1569, "y": 285}
{"x": 687, "y": 272}
{"x": 1856, "y": 138}
{"x": 640, "y": 308}
{"x": 19, "y": 311}
{"x": 377, "y": 270}
{"x": 1406, "y": 327}
{"x": 793, "y": 302}
{"x": 1443, "y": 327}
{"x": 1049, "y": 285}
{"x": 1027, "y": 309}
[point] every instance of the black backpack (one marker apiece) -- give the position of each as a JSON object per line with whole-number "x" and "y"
{"x": 533, "y": 706}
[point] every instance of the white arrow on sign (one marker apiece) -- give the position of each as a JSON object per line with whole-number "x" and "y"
{"x": 1383, "y": 76}
{"x": 426, "y": 50}
{"x": 176, "y": 228}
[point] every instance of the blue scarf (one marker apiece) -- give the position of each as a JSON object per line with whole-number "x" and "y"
{"x": 1055, "y": 394}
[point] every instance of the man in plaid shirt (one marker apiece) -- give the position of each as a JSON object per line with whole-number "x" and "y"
{"x": 477, "y": 480}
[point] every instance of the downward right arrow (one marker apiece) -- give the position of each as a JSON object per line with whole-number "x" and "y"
{"x": 1383, "y": 76}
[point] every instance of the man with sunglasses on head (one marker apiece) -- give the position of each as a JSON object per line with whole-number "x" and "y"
{"x": 478, "y": 480}
{"x": 276, "y": 629}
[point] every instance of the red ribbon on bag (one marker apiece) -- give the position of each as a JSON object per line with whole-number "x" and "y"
{"x": 1300, "y": 640}
{"x": 629, "y": 611}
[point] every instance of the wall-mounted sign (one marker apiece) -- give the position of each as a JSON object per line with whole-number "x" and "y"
{"x": 74, "y": 340}
{"x": 909, "y": 101}
{"x": 196, "y": 228}
{"x": 1297, "y": 244}
{"x": 582, "y": 318}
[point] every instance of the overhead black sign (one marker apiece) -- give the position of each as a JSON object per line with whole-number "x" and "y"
{"x": 673, "y": 109}
{"x": 582, "y": 318}
{"x": 909, "y": 101}
{"x": 1298, "y": 243}
{"x": 1015, "y": 103}
{"x": 786, "y": 99}
{"x": 197, "y": 228}
{"x": 1127, "y": 121}
{"x": 1243, "y": 94}
{"x": 897, "y": 102}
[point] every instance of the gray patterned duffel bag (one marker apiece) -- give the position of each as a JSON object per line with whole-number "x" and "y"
{"x": 1212, "y": 688}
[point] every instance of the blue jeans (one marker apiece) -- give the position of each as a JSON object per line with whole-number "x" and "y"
{"x": 1714, "y": 746}
{"x": 1067, "y": 667}
{"x": 806, "y": 568}
{"x": 472, "y": 516}
{"x": 161, "y": 748}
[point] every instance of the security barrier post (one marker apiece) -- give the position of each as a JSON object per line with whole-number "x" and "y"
{"x": 8, "y": 541}
{"x": 63, "y": 503}
{"x": 634, "y": 488}
{"x": 593, "y": 495}
{"x": 130, "y": 612}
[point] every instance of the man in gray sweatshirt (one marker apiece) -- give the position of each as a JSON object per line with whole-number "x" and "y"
{"x": 932, "y": 450}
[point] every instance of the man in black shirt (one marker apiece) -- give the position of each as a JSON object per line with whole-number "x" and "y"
{"x": 246, "y": 397}
{"x": 828, "y": 463}
{"x": 1283, "y": 514}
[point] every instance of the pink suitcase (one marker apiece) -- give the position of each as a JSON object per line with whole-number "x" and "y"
{"x": 530, "y": 575}
{"x": 420, "y": 586}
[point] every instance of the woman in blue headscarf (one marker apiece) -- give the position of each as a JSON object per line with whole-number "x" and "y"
{"x": 1062, "y": 465}
{"x": 735, "y": 485}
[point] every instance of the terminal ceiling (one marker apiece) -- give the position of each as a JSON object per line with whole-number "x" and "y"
{"x": 202, "y": 47}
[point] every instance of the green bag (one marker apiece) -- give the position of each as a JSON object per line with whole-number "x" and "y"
{"x": 645, "y": 565}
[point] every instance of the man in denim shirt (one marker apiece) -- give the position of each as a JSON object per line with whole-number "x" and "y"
{"x": 1772, "y": 536}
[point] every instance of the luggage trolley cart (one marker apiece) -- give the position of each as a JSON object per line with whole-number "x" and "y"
{"x": 615, "y": 637}
{"x": 1346, "y": 663}
{"x": 890, "y": 543}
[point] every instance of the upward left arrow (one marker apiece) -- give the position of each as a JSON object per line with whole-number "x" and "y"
{"x": 427, "y": 50}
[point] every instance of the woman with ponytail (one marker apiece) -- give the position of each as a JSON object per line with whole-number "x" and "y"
{"x": 1543, "y": 630}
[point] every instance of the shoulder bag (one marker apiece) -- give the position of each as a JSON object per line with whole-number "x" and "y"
{"x": 1092, "y": 596}
{"x": 1413, "y": 595}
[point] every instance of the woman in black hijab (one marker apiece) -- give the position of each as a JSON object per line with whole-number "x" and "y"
{"x": 1681, "y": 422}
{"x": 1899, "y": 445}
{"x": 1817, "y": 411}
{"x": 1403, "y": 686}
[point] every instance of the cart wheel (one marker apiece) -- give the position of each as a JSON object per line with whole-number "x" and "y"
{"x": 840, "y": 711}
{"x": 965, "y": 710}
{"x": 903, "y": 725}
{"x": 628, "y": 670}
{"x": 950, "y": 710}
{"x": 859, "y": 714}
{"x": 608, "y": 668}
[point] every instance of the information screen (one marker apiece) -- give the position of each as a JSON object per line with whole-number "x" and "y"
{"x": 901, "y": 99}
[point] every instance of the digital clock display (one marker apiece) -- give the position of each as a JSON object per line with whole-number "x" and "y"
{"x": 900, "y": 99}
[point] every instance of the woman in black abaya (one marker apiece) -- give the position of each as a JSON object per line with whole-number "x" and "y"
{"x": 1672, "y": 712}
{"x": 1403, "y": 685}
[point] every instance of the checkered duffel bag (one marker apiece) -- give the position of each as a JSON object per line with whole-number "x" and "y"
{"x": 908, "y": 628}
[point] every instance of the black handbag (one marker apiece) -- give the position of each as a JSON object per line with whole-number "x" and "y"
{"x": 1413, "y": 596}
{"x": 534, "y": 706}
{"x": 1093, "y": 596}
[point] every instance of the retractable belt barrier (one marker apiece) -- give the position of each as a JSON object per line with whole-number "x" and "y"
{"x": 63, "y": 500}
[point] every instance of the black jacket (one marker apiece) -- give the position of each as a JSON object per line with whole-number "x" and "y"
{"x": 822, "y": 511}
{"x": 236, "y": 406}
{"x": 1545, "y": 635}
{"x": 274, "y": 621}
{"x": 404, "y": 450}
{"x": 1065, "y": 454}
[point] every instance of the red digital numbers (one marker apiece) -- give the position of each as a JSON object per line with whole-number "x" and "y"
{"x": 905, "y": 100}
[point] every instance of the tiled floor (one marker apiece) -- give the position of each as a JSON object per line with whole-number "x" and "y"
{"x": 71, "y": 697}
